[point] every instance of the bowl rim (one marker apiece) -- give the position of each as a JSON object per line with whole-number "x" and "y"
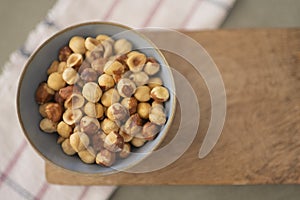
{"x": 48, "y": 40}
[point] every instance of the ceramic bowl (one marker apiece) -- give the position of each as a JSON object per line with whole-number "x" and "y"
{"x": 35, "y": 71}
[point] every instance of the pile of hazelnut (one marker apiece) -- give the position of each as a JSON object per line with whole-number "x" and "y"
{"x": 102, "y": 99}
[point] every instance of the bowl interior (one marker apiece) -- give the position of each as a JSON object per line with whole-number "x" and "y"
{"x": 36, "y": 71}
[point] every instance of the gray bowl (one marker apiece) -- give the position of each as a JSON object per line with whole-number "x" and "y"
{"x": 35, "y": 71}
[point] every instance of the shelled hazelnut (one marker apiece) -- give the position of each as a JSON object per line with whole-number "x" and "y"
{"x": 105, "y": 158}
{"x": 108, "y": 126}
{"x": 113, "y": 142}
{"x": 126, "y": 87}
{"x": 89, "y": 125}
{"x": 79, "y": 141}
{"x": 55, "y": 81}
{"x": 117, "y": 112}
{"x": 93, "y": 110}
{"x": 74, "y": 60}
{"x": 64, "y": 130}
{"x": 122, "y": 46}
{"x": 110, "y": 97}
{"x": 125, "y": 152}
{"x": 89, "y": 75}
{"x": 43, "y": 93}
{"x": 130, "y": 104}
{"x": 48, "y": 126}
{"x": 67, "y": 148}
{"x": 77, "y": 44}
{"x": 64, "y": 53}
{"x": 106, "y": 82}
{"x": 159, "y": 94}
{"x": 87, "y": 156}
{"x": 92, "y": 92}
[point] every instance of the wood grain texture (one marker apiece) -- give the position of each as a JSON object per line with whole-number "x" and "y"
{"x": 260, "y": 142}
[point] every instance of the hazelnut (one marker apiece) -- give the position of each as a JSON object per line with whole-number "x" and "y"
{"x": 126, "y": 137}
{"x": 58, "y": 98}
{"x": 87, "y": 156}
{"x": 89, "y": 75}
{"x": 133, "y": 125}
{"x": 53, "y": 111}
{"x": 108, "y": 126}
{"x": 117, "y": 112}
{"x": 95, "y": 54}
{"x": 75, "y": 60}
{"x": 122, "y": 46}
{"x": 98, "y": 65}
{"x": 159, "y": 94}
{"x": 110, "y": 97}
{"x": 64, "y": 53}
{"x": 42, "y": 109}
{"x": 138, "y": 142}
{"x": 151, "y": 68}
{"x": 142, "y": 93}
{"x": 71, "y": 116}
{"x": 113, "y": 142}
{"x": 154, "y": 81}
{"x": 114, "y": 67}
{"x": 106, "y": 82}
{"x": 61, "y": 67}
{"x": 43, "y": 93}
{"x": 70, "y": 75}
{"x": 55, "y": 81}
{"x": 91, "y": 43}
{"x": 98, "y": 141}
{"x": 84, "y": 65}
{"x": 79, "y": 141}
{"x": 126, "y": 87}
{"x": 105, "y": 158}
{"x": 108, "y": 49}
{"x": 89, "y": 125}
{"x": 130, "y": 104}
{"x": 63, "y": 129}
{"x": 77, "y": 44}
{"x": 75, "y": 101}
{"x": 143, "y": 109}
{"x": 67, "y": 148}
{"x": 136, "y": 62}
{"x": 48, "y": 126}
{"x": 139, "y": 78}
{"x": 150, "y": 130}
{"x": 103, "y": 38}
{"x": 125, "y": 152}
{"x": 157, "y": 116}
{"x": 66, "y": 92}
{"x": 53, "y": 67}
{"x": 92, "y": 92}
{"x": 93, "y": 110}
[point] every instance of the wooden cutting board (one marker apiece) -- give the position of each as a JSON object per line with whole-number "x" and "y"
{"x": 260, "y": 142}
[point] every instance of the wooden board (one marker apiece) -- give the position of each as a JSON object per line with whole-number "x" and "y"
{"x": 260, "y": 142}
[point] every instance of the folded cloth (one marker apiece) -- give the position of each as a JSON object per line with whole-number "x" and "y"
{"x": 21, "y": 169}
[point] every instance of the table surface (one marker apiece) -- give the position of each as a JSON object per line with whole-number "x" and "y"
{"x": 260, "y": 141}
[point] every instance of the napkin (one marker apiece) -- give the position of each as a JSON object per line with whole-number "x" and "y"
{"x": 22, "y": 173}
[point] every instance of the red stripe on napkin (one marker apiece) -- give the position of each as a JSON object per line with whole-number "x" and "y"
{"x": 13, "y": 161}
{"x": 152, "y": 13}
{"x": 191, "y": 13}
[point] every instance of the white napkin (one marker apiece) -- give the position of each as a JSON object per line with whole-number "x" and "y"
{"x": 22, "y": 170}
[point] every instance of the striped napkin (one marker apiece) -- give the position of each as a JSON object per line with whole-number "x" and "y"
{"x": 22, "y": 170}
